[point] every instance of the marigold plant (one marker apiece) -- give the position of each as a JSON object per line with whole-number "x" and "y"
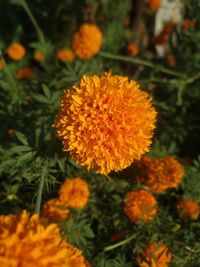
{"x": 65, "y": 54}
{"x": 140, "y": 205}
{"x": 16, "y": 51}
{"x": 87, "y": 41}
{"x": 24, "y": 73}
{"x": 160, "y": 174}
{"x": 188, "y": 208}
{"x": 106, "y": 122}
{"x": 74, "y": 193}
{"x": 155, "y": 256}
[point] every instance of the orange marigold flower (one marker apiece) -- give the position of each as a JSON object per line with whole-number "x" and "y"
{"x": 155, "y": 256}
{"x": 140, "y": 205}
{"x": 188, "y": 24}
{"x": 1, "y": 64}
{"x": 160, "y": 174}
{"x": 38, "y": 56}
{"x": 133, "y": 50}
{"x": 53, "y": 211}
{"x": 24, "y": 73}
{"x": 106, "y": 122}
{"x": 26, "y": 242}
{"x": 65, "y": 54}
{"x": 16, "y": 51}
{"x": 154, "y": 5}
{"x": 74, "y": 193}
{"x": 87, "y": 41}
{"x": 188, "y": 208}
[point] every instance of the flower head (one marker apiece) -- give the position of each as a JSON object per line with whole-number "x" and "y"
{"x": 24, "y": 73}
{"x": 188, "y": 208}
{"x": 155, "y": 256}
{"x": 154, "y": 5}
{"x": 74, "y": 193}
{"x": 87, "y": 41}
{"x": 16, "y": 51}
{"x": 106, "y": 122}
{"x": 160, "y": 174}
{"x": 26, "y": 242}
{"x": 65, "y": 54}
{"x": 38, "y": 56}
{"x": 132, "y": 49}
{"x": 53, "y": 211}
{"x": 140, "y": 205}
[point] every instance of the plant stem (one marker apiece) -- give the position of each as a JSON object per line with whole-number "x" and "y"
{"x": 33, "y": 20}
{"x": 146, "y": 63}
{"x": 119, "y": 244}
{"x": 39, "y": 194}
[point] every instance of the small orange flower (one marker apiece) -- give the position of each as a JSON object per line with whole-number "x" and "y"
{"x": 154, "y": 5}
{"x": 38, "y": 56}
{"x": 133, "y": 50}
{"x": 155, "y": 256}
{"x": 74, "y": 193}
{"x": 10, "y": 132}
{"x": 87, "y": 41}
{"x": 24, "y": 73}
{"x": 65, "y": 54}
{"x": 160, "y": 174}
{"x": 106, "y": 122}
{"x": 188, "y": 208}
{"x": 1, "y": 64}
{"x": 171, "y": 61}
{"x": 16, "y": 51}
{"x": 53, "y": 211}
{"x": 140, "y": 205}
{"x": 188, "y": 24}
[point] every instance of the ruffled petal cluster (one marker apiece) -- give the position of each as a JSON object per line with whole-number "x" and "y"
{"x": 155, "y": 256}
{"x": 188, "y": 208}
{"x": 140, "y": 205}
{"x": 87, "y": 41}
{"x": 160, "y": 174}
{"x": 16, "y": 51}
{"x": 105, "y": 122}
{"x": 24, "y": 242}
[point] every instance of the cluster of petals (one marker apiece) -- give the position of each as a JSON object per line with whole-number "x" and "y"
{"x": 188, "y": 208}
{"x": 105, "y": 122}
{"x": 65, "y": 54}
{"x": 26, "y": 242}
{"x": 140, "y": 205}
{"x": 155, "y": 255}
{"x": 16, "y": 51}
{"x": 87, "y": 41}
{"x": 160, "y": 174}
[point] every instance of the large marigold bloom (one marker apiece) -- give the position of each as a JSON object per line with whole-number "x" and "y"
{"x": 26, "y": 242}
{"x": 160, "y": 174}
{"x": 140, "y": 205}
{"x": 87, "y": 41}
{"x": 106, "y": 122}
{"x": 53, "y": 211}
{"x": 188, "y": 208}
{"x": 16, "y": 51}
{"x": 155, "y": 256}
{"x": 74, "y": 193}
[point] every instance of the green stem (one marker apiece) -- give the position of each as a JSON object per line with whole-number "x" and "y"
{"x": 33, "y": 20}
{"x": 119, "y": 244}
{"x": 146, "y": 63}
{"x": 40, "y": 190}
{"x": 193, "y": 78}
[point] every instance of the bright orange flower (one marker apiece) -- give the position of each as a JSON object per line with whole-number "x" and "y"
{"x": 24, "y": 73}
{"x": 26, "y": 242}
{"x": 155, "y": 256}
{"x": 133, "y": 50}
{"x": 87, "y": 41}
{"x": 16, "y": 51}
{"x": 160, "y": 174}
{"x": 74, "y": 193}
{"x": 38, "y": 56}
{"x": 188, "y": 208}
{"x": 53, "y": 211}
{"x": 140, "y": 205}
{"x": 188, "y": 24}
{"x": 1, "y": 64}
{"x": 65, "y": 54}
{"x": 106, "y": 122}
{"x": 154, "y": 5}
